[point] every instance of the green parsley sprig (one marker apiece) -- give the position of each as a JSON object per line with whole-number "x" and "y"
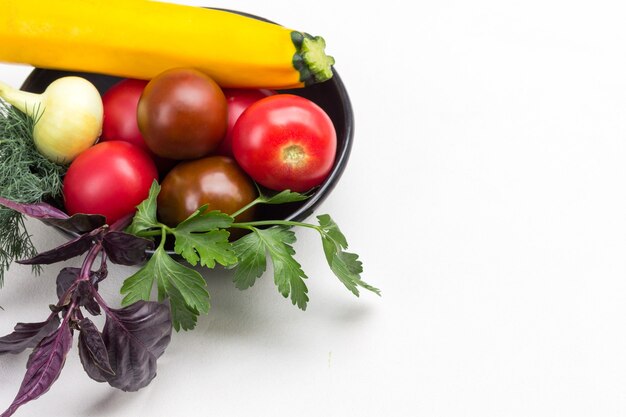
{"x": 203, "y": 238}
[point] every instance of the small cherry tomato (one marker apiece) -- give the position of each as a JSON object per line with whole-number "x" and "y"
{"x": 285, "y": 142}
{"x": 120, "y": 112}
{"x": 238, "y": 100}
{"x": 215, "y": 180}
{"x": 182, "y": 114}
{"x": 110, "y": 178}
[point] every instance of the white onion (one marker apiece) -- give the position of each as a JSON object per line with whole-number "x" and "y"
{"x": 69, "y": 116}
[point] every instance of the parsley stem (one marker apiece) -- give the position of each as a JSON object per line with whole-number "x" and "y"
{"x": 248, "y": 225}
{"x": 246, "y": 207}
{"x": 148, "y": 233}
{"x": 164, "y": 236}
{"x": 155, "y": 232}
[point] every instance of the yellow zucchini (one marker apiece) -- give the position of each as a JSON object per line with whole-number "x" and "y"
{"x": 141, "y": 38}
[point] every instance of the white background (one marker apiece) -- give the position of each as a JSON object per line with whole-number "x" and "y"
{"x": 485, "y": 195}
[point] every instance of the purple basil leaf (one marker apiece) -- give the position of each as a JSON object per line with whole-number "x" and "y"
{"x": 126, "y": 249}
{"x": 71, "y": 249}
{"x": 27, "y": 335}
{"x": 135, "y": 337}
{"x": 89, "y": 366}
{"x": 84, "y": 296}
{"x": 82, "y": 293}
{"x": 93, "y": 307}
{"x": 37, "y": 211}
{"x": 78, "y": 223}
{"x": 44, "y": 367}
{"x": 65, "y": 279}
{"x": 92, "y": 349}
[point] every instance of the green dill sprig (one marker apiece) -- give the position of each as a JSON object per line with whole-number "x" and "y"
{"x": 25, "y": 177}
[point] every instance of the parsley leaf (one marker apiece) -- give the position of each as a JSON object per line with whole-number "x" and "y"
{"x": 183, "y": 316}
{"x": 345, "y": 265}
{"x": 203, "y": 221}
{"x": 276, "y": 242}
{"x": 208, "y": 247}
{"x": 146, "y": 215}
{"x": 251, "y": 255}
{"x": 285, "y": 196}
{"x": 184, "y": 286}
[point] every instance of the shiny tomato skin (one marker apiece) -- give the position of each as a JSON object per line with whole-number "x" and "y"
{"x": 110, "y": 178}
{"x": 120, "y": 112}
{"x": 285, "y": 142}
{"x": 215, "y": 180}
{"x": 238, "y": 99}
{"x": 120, "y": 118}
{"x": 182, "y": 114}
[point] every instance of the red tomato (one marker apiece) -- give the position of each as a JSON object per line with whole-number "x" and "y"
{"x": 110, "y": 178}
{"x": 120, "y": 112}
{"x": 238, "y": 100}
{"x": 285, "y": 142}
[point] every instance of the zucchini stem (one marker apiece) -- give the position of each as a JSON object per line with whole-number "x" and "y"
{"x": 310, "y": 58}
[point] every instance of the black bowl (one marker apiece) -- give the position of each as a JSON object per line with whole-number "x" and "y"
{"x": 330, "y": 95}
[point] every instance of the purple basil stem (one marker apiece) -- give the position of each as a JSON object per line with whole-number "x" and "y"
{"x": 126, "y": 249}
{"x": 27, "y": 335}
{"x": 43, "y": 368}
{"x": 135, "y": 337}
{"x": 71, "y": 249}
{"x": 93, "y": 352}
{"x": 123, "y": 223}
{"x": 101, "y": 273}
{"x": 84, "y": 297}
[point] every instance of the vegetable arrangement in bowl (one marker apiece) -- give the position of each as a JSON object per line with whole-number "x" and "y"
{"x": 198, "y": 156}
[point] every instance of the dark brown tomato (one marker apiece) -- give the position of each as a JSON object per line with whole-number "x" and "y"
{"x": 182, "y": 114}
{"x": 216, "y": 180}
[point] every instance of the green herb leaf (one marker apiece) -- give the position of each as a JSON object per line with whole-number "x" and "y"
{"x": 331, "y": 229}
{"x": 187, "y": 281}
{"x": 208, "y": 248}
{"x": 26, "y": 176}
{"x": 252, "y": 258}
{"x": 139, "y": 285}
{"x": 285, "y": 196}
{"x": 211, "y": 245}
{"x": 183, "y": 316}
{"x": 184, "y": 286}
{"x": 345, "y": 265}
{"x": 203, "y": 221}
{"x": 146, "y": 216}
{"x": 276, "y": 242}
